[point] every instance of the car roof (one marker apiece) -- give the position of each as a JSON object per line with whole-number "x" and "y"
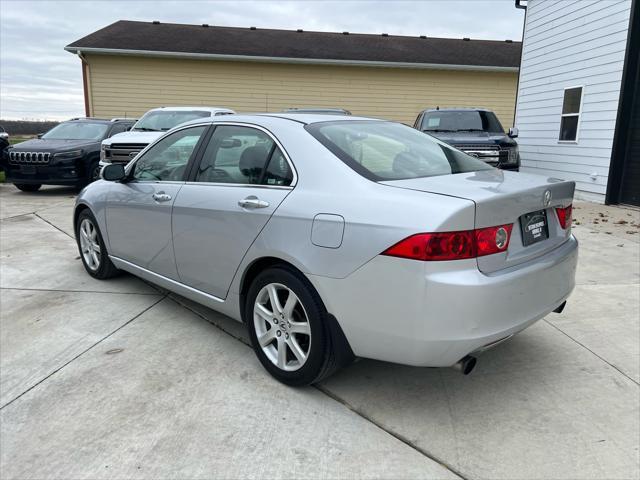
{"x": 191, "y": 109}
{"x": 101, "y": 120}
{"x": 324, "y": 110}
{"x": 309, "y": 118}
{"x": 301, "y": 118}
{"x": 460, "y": 109}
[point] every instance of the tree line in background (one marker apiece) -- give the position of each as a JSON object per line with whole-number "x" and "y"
{"x": 26, "y": 127}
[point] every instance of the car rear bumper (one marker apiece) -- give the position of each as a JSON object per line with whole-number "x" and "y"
{"x": 435, "y": 313}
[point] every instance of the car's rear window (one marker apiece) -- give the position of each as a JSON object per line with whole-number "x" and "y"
{"x": 383, "y": 151}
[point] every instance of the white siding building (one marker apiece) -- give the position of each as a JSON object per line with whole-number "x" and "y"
{"x": 577, "y": 104}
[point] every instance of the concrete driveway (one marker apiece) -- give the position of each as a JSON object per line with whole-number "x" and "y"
{"x": 118, "y": 379}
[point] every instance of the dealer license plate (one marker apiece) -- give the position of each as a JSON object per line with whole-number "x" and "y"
{"x": 534, "y": 227}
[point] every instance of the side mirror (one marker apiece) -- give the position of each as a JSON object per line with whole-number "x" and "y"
{"x": 513, "y": 132}
{"x": 113, "y": 172}
{"x": 40, "y": 135}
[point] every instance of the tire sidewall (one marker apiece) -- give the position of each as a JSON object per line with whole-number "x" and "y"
{"x": 93, "y": 165}
{"x": 315, "y": 313}
{"x": 104, "y": 257}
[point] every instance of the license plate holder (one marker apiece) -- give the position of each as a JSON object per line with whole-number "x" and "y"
{"x": 534, "y": 227}
{"x": 28, "y": 169}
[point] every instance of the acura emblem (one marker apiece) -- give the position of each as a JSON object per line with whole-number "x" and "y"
{"x": 546, "y": 198}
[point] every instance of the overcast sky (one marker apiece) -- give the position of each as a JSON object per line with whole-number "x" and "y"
{"x": 39, "y": 80}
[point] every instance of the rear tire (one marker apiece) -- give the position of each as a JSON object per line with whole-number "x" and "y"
{"x": 27, "y": 187}
{"x": 93, "y": 251}
{"x": 304, "y": 330}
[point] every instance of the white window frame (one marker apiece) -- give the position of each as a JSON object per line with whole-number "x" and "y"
{"x": 579, "y": 114}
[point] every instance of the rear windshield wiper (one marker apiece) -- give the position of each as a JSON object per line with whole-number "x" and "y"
{"x": 145, "y": 129}
{"x": 470, "y": 130}
{"x": 437, "y": 130}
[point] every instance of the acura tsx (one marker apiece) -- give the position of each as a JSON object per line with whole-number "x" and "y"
{"x": 335, "y": 237}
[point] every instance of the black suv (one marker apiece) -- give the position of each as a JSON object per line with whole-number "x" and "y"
{"x": 68, "y": 154}
{"x": 475, "y": 131}
{"x": 4, "y": 146}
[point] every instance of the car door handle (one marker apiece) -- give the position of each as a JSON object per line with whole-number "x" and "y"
{"x": 253, "y": 202}
{"x": 161, "y": 197}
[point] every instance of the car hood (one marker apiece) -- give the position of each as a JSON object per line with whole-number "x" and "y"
{"x": 134, "y": 137}
{"x": 47, "y": 145}
{"x": 460, "y": 138}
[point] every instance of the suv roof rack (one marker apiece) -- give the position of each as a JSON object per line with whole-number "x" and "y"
{"x": 115, "y": 119}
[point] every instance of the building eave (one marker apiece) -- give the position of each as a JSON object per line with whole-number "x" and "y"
{"x": 307, "y": 61}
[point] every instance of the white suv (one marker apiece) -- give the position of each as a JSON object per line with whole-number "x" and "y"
{"x": 121, "y": 148}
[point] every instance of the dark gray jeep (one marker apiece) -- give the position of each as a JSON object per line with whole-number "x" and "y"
{"x": 475, "y": 131}
{"x": 68, "y": 154}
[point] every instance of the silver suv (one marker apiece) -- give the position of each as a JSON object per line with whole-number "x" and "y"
{"x": 153, "y": 124}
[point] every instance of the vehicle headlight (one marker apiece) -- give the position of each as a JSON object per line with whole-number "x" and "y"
{"x": 68, "y": 155}
{"x": 103, "y": 152}
{"x": 513, "y": 155}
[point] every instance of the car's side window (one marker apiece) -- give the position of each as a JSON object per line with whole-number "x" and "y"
{"x": 167, "y": 160}
{"x": 235, "y": 154}
{"x": 278, "y": 171}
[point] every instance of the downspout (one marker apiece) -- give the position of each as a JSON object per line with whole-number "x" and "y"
{"x": 85, "y": 84}
{"x": 524, "y": 23}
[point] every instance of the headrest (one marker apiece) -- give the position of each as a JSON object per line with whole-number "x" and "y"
{"x": 252, "y": 160}
{"x": 406, "y": 164}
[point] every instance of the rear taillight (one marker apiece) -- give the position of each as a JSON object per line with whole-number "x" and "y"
{"x": 492, "y": 239}
{"x": 564, "y": 216}
{"x": 453, "y": 245}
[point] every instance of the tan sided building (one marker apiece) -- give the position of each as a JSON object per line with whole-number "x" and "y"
{"x": 130, "y": 67}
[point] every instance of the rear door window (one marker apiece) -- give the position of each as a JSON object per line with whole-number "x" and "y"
{"x": 243, "y": 155}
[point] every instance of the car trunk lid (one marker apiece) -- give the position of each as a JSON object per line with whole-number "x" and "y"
{"x": 503, "y": 198}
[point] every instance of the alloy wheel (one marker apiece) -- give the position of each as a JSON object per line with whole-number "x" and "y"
{"x": 282, "y": 327}
{"x": 89, "y": 244}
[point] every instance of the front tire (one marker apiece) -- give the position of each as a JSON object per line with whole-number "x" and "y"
{"x": 93, "y": 172}
{"x": 288, "y": 327}
{"x": 27, "y": 187}
{"x": 93, "y": 251}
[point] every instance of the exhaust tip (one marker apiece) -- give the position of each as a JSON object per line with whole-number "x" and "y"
{"x": 466, "y": 365}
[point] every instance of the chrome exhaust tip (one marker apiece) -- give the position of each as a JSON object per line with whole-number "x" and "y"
{"x": 466, "y": 365}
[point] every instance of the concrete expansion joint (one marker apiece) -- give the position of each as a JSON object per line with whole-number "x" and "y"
{"x": 591, "y": 351}
{"x": 85, "y": 351}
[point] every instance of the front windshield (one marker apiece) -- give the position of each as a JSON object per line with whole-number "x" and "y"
{"x": 383, "y": 151}
{"x": 77, "y": 131}
{"x": 162, "y": 120}
{"x": 461, "y": 121}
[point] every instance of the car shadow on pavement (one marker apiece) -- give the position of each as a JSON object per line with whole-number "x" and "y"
{"x": 47, "y": 191}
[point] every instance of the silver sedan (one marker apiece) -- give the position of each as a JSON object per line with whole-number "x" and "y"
{"x": 335, "y": 237}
